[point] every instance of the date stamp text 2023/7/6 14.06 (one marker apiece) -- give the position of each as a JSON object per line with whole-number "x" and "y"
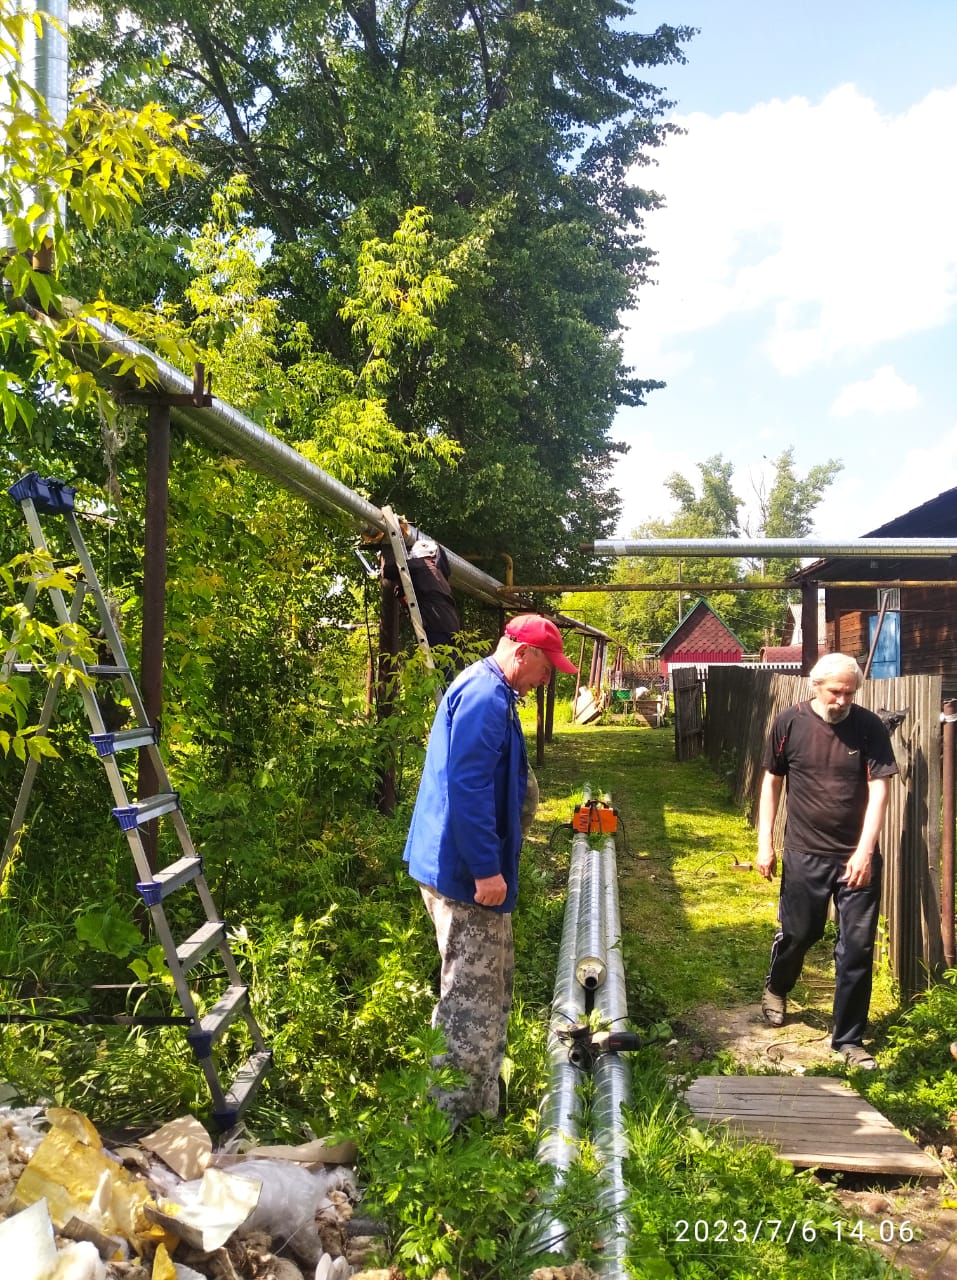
{"x": 788, "y": 1230}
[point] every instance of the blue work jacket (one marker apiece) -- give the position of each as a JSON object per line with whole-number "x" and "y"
{"x": 466, "y": 821}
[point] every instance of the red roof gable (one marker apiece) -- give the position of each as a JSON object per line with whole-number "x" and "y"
{"x": 701, "y": 632}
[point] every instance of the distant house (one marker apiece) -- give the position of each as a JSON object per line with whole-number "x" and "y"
{"x": 918, "y": 633}
{"x": 781, "y": 655}
{"x": 702, "y": 638}
{"x": 793, "y": 633}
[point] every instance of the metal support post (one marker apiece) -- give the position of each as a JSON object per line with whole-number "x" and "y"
{"x": 809, "y": 637}
{"x": 949, "y": 787}
{"x": 385, "y": 684}
{"x": 154, "y": 600}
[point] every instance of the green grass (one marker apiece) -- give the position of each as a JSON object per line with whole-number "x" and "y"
{"x": 343, "y": 964}
{"x": 697, "y": 929}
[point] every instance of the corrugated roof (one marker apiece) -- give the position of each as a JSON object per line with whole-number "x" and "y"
{"x": 706, "y": 629}
{"x": 936, "y": 518}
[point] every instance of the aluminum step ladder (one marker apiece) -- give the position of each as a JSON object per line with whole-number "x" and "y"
{"x": 38, "y": 497}
{"x": 397, "y": 541}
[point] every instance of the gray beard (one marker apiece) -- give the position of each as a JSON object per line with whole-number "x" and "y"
{"x": 834, "y": 715}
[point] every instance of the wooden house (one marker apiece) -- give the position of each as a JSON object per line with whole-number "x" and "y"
{"x": 700, "y": 638}
{"x": 918, "y": 632}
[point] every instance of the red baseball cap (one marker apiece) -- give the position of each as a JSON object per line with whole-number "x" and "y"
{"x": 541, "y": 633}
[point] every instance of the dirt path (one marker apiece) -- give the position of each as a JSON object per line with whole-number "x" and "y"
{"x": 929, "y": 1207}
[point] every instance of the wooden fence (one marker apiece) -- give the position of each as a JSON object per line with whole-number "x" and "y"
{"x": 740, "y": 707}
{"x": 687, "y": 687}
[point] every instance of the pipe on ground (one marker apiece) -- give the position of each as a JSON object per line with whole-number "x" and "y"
{"x": 560, "y": 1114}
{"x": 612, "y": 1080}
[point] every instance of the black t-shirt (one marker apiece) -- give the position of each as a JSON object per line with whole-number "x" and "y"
{"x": 827, "y": 767}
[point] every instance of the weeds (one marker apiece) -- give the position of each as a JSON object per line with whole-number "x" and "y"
{"x": 340, "y": 956}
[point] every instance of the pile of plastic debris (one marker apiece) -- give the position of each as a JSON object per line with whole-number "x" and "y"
{"x": 170, "y": 1207}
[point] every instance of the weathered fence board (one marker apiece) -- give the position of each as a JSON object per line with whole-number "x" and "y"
{"x": 687, "y": 687}
{"x": 742, "y": 703}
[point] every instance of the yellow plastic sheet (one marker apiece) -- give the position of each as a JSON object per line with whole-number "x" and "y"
{"x": 71, "y": 1171}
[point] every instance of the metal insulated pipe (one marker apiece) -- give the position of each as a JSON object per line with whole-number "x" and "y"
{"x": 612, "y": 1082}
{"x": 769, "y": 548}
{"x": 222, "y": 425}
{"x": 590, "y": 966}
{"x": 561, "y": 1105}
{"x": 44, "y": 67}
{"x": 46, "y": 58}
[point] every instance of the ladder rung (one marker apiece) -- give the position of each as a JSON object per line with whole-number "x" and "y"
{"x": 134, "y": 815}
{"x": 169, "y": 880}
{"x": 105, "y": 672}
{"x": 108, "y": 744}
{"x": 232, "y": 1003}
{"x": 240, "y": 1093}
{"x": 200, "y": 943}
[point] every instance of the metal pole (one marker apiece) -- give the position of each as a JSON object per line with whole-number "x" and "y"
{"x": 877, "y": 635}
{"x": 154, "y": 601}
{"x": 550, "y": 708}
{"x": 578, "y": 674}
{"x": 949, "y": 787}
{"x": 222, "y": 425}
{"x": 770, "y": 548}
{"x": 540, "y": 725}
{"x": 809, "y": 636}
{"x": 705, "y": 588}
{"x": 385, "y": 684}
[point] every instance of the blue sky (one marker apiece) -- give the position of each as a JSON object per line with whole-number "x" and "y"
{"x": 806, "y": 284}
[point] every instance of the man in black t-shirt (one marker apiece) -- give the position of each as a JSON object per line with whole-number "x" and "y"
{"x": 837, "y": 759}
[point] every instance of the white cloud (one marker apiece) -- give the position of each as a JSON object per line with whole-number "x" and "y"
{"x": 885, "y": 392}
{"x": 639, "y": 478}
{"x": 832, "y": 220}
{"x": 855, "y": 504}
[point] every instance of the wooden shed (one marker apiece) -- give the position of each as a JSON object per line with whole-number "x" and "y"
{"x": 918, "y": 635}
{"x": 702, "y": 638}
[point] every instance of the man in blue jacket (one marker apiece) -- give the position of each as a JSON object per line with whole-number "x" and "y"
{"x": 463, "y": 849}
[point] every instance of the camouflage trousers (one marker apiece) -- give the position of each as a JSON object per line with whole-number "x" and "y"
{"x": 475, "y": 999}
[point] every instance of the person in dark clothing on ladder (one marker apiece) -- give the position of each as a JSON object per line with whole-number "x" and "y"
{"x": 430, "y": 571}
{"x": 837, "y": 760}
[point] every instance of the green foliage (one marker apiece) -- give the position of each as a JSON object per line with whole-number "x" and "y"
{"x": 92, "y": 170}
{"x": 917, "y": 1084}
{"x": 787, "y": 507}
{"x": 679, "y": 1176}
{"x": 49, "y": 646}
{"x": 110, "y": 930}
{"x": 461, "y": 1200}
{"x": 515, "y": 134}
{"x": 645, "y": 619}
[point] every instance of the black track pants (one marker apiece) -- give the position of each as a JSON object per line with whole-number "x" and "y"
{"x": 808, "y": 882}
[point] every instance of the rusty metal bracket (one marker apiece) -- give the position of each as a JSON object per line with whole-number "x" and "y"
{"x": 200, "y": 398}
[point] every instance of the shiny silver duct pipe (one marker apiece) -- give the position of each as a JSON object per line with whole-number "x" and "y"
{"x": 228, "y": 429}
{"x": 590, "y": 964}
{"x": 46, "y": 59}
{"x": 561, "y": 1105}
{"x": 612, "y": 1081}
{"x": 770, "y": 548}
{"x": 44, "y": 67}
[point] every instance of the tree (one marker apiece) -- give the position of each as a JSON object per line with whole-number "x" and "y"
{"x": 787, "y": 506}
{"x": 786, "y": 511}
{"x": 96, "y": 166}
{"x": 514, "y": 129}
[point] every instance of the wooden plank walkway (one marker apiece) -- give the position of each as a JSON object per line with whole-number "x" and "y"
{"x": 813, "y": 1122}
